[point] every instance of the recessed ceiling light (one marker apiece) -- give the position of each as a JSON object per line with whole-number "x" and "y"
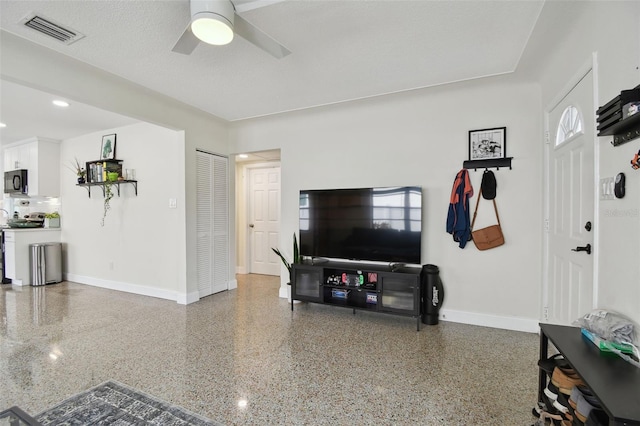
{"x": 60, "y": 103}
{"x": 243, "y": 156}
{"x": 3, "y": 125}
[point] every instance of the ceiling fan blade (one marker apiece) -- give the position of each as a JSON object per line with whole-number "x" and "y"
{"x": 246, "y": 5}
{"x": 253, "y": 35}
{"x": 187, "y": 42}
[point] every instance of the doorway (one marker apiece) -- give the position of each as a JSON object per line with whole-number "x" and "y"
{"x": 258, "y": 209}
{"x": 264, "y": 218}
{"x": 570, "y": 177}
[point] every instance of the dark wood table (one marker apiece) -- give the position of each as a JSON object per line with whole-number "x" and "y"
{"x": 615, "y": 382}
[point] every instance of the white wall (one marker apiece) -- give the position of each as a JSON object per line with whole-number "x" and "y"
{"x": 32, "y": 65}
{"x": 137, "y": 248}
{"x": 421, "y": 138}
{"x": 610, "y": 29}
{"x": 417, "y": 138}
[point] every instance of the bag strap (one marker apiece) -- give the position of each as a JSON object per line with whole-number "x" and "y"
{"x": 495, "y": 207}
{"x": 475, "y": 213}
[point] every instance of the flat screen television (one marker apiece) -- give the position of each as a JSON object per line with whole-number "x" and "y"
{"x": 366, "y": 224}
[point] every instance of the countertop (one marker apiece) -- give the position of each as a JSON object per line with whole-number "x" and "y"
{"x": 6, "y": 229}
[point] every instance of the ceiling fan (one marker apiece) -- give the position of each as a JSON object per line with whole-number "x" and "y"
{"x": 216, "y": 21}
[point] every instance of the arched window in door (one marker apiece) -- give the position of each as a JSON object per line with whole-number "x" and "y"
{"x": 570, "y": 125}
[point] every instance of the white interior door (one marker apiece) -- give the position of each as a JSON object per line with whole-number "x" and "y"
{"x": 264, "y": 219}
{"x": 212, "y": 223}
{"x": 571, "y": 205}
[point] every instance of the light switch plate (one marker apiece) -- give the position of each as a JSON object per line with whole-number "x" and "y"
{"x": 606, "y": 188}
{"x": 173, "y": 203}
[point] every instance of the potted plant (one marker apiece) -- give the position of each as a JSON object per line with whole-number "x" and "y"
{"x": 78, "y": 170}
{"x": 296, "y": 256}
{"x": 52, "y": 220}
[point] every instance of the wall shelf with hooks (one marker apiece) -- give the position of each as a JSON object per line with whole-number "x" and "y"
{"x": 116, "y": 183}
{"x": 620, "y": 118}
{"x": 489, "y": 163}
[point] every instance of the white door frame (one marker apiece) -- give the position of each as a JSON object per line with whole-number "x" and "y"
{"x": 249, "y": 206}
{"x": 590, "y": 65}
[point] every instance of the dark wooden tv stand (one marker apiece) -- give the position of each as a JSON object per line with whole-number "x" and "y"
{"x": 615, "y": 382}
{"x": 360, "y": 286}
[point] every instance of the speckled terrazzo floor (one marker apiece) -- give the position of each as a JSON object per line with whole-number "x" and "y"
{"x": 242, "y": 357}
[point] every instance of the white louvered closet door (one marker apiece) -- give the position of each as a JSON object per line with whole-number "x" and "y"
{"x": 212, "y": 223}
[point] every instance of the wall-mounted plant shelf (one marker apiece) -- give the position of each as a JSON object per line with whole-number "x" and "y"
{"x": 102, "y": 185}
{"x": 489, "y": 163}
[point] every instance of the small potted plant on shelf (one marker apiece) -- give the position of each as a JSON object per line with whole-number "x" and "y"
{"x": 296, "y": 256}
{"x": 79, "y": 171}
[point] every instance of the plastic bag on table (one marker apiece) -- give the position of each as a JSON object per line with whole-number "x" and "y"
{"x": 613, "y": 327}
{"x": 609, "y": 325}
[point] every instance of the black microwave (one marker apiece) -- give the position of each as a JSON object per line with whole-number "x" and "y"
{"x": 15, "y": 182}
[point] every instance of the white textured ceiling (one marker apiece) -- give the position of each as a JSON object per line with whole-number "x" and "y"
{"x": 342, "y": 50}
{"x": 29, "y": 113}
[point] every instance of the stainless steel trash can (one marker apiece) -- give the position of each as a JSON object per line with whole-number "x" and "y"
{"x": 45, "y": 263}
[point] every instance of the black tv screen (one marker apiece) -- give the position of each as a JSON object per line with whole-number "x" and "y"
{"x": 375, "y": 224}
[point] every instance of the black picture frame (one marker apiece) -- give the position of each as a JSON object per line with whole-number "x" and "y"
{"x": 488, "y": 144}
{"x": 108, "y": 147}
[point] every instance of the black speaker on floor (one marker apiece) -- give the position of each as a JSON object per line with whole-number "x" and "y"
{"x": 432, "y": 294}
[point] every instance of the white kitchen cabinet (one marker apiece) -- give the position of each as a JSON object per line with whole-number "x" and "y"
{"x": 17, "y": 157}
{"x": 16, "y": 251}
{"x": 41, "y": 157}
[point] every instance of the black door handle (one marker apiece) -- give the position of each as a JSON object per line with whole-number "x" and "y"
{"x": 586, "y": 248}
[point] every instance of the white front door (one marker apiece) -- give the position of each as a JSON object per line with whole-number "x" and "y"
{"x": 570, "y": 199}
{"x": 264, "y": 219}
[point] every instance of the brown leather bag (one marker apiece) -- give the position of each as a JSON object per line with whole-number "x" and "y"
{"x": 489, "y": 237}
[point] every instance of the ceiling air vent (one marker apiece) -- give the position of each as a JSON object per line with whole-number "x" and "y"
{"x": 49, "y": 28}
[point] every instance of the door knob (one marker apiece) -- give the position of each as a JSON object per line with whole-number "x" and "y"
{"x": 586, "y": 248}
{"x": 251, "y": 225}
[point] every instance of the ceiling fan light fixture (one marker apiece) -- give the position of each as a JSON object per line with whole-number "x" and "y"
{"x": 212, "y": 29}
{"x": 212, "y": 21}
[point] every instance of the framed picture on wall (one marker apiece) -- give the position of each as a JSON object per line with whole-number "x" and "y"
{"x": 108, "y": 148}
{"x": 486, "y": 144}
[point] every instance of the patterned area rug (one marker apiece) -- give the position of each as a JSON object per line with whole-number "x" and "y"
{"x": 113, "y": 403}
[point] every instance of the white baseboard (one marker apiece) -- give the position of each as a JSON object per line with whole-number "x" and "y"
{"x": 527, "y": 325}
{"x": 180, "y": 298}
{"x": 186, "y": 298}
{"x": 233, "y": 284}
{"x": 241, "y": 270}
{"x": 126, "y": 287}
{"x": 283, "y": 293}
